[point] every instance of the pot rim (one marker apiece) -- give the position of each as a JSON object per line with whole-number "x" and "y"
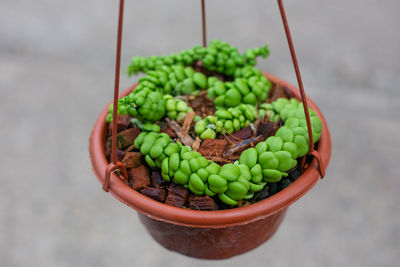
{"x": 209, "y": 219}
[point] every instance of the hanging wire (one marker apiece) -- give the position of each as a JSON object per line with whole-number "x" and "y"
{"x": 203, "y": 22}
{"x": 301, "y": 87}
{"x": 115, "y": 164}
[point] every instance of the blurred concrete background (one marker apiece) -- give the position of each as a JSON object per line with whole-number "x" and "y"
{"x": 56, "y": 74}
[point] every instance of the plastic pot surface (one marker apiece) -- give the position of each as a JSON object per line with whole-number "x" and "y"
{"x": 210, "y": 234}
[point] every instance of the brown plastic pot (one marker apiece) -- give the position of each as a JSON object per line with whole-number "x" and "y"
{"x": 210, "y": 234}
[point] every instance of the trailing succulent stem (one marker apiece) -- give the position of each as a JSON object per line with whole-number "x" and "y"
{"x": 267, "y": 162}
{"x": 239, "y": 100}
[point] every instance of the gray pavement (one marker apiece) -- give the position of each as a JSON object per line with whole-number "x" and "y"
{"x": 56, "y": 74}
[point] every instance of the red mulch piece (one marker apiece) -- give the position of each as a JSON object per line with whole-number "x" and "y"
{"x": 201, "y": 105}
{"x": 287, "y": 92}
{"x": 168, "y": 130}
{"x": 156, "y": 179}
{"x": 132, "y": 159}
{"x": 108, "y": 151}
{"x": 177, "y": 195}
{"x": 213, "y": 147}
{"x": 277, "y": 91}
{"x": 139, "y": 177}
{"x": 178, "y": 190}
{"x": 267, "y": 128}
{"x": 202, "y": 203}
{"x": 123, "y": 123}
{"x": 126, "y": 137}
{"x": 154, "y": 193}
{"x": 242, "y": 134}
{"x": 120, "y": 154}
{"x": 175, "y": 200}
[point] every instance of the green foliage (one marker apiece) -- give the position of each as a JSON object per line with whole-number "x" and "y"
{"x": 238, "y": 104}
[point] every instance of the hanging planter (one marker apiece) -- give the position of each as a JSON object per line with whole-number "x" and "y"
{"x": 250, "y": 165}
